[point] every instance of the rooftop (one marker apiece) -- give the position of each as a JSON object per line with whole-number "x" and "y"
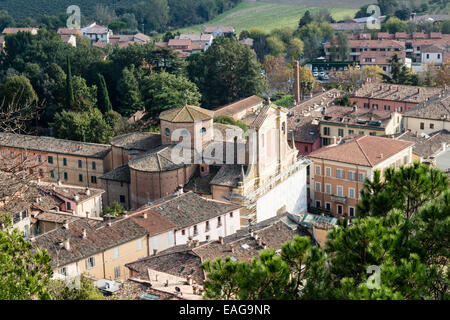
{"x": 100, "y": 236}
{"x": 121, "y": 174}
{"x": 186, "y": 114}
{"x": 396, "y": 92}
{"x": 238, "y": 106}
{"x": 153, "y": 222}
{"x": 356, "y": 116}
{"x": 158, "y": 159}
{"x": 362, "y": 150}
{"x": 228, "y": 175}
{"x": 189, "y": 209}
{"x": 437, "y": 108}
{"x": 426, "y": 145}
{"x": 53, "y": 145}
{"x": 77, "y": 194}
{"x": 142, "y": 141}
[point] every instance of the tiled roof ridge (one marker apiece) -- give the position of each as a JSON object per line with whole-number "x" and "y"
{"x": 360, "y": 147}
{"x": 58, "y": 228}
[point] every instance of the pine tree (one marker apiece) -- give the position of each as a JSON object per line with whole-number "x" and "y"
{"x": 69, "y": 87}
{"x": 102, "y": 95}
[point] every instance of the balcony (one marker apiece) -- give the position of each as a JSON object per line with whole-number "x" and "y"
{"x": 338, "y": 199}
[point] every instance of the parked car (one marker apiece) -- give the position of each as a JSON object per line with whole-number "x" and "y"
{"x": 325, "y": 77}
{"x": 315, "y": 69}
{"x": 321, "y": 73}
{"x": 345, "y": 68}
{"x": 315, "y": 74}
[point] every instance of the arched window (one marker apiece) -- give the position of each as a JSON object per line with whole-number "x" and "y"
{"x": 167, "y": 131}
{"x": 203, "y": 131}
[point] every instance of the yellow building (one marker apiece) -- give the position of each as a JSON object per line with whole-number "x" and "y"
{"x": 98, "y": 249}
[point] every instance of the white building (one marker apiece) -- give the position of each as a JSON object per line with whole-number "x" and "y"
{"x": 96, "y": 33}
{"x": 429, "y": 116}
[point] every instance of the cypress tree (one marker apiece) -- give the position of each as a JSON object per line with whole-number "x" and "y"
{"x": 104, "y": 104}
{"x": 69, "y": 87}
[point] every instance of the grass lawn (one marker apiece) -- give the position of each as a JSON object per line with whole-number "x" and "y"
{"x": 266, "y": 16}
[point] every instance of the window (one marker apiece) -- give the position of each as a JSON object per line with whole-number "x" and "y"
{"x": 399, "y": 109}
{"x": 328, "y": 206}
{"x": 351, "y": 131}
{"x": 328, "y": 171}
{"x": 422, "y": 125}
{"x": 375, "y": 106}
{"x": 318, "y": 189}
{"x": 94, "y": 165}
{"x": 405, "y": 159}
{"x": 80, "y": 177}
{"x": 366, "y": 106}
{"x": 351, "y": 211}
{"x": 207, "y": 226}
{"x": 183, "y": 232}
{"x": 231, "y": 214}
{"x": 63, "y": 271}
{"x": 361, "y": 132}
{"x": 139, "y": 244}
{"x": 326, "y": 131}
{"x": 41, "y": 173}
{"x": 387, "y": 107}
{"x": 122, "y": 198}
{"x": 351, "y": 193}
{"x": 66, "y": 176}
{"x": 438, "y": 55}
{"x": 39, "y": 158}
{"x": 317, "y": 203}
{"x": 170, "y": 236}
{"x": 195, "y": 231}
{"x": 207, "y": 238}
{"x": 340, "y": 191}
{"x": 69, "y": 206}
{"x": 90, "y": 263}
{"x": 351, "y": 176}
{"x": 50, "y": 159}
{"x": 340, "y": 173}
{"x": 64, "y": 162}
{"x": 318, "y": 170}
{"x": 80, "y": 163}
{"x": 167, "y": 132}
{"x": 327, "y": 188}
{"x": 117, "y": 272}
{"x": 94, "y": 179}
{"x": 340, "y": 209}
{"x": 155, "y": 243}
{"x": 431, "y": 125}
{"x": 340, "y": 132}
{"x": 219, "y": 222}
{"x": 52, "y": 174}
{"x": 203, "y": 131}
{"x": 373, "y": 133}
{"x": 428, "y": 56}
{"x": 116, "y": 253}
{"x": 361, "y": 177}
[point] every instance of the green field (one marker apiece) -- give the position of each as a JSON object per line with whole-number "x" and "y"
{"x": 266, "y": 16}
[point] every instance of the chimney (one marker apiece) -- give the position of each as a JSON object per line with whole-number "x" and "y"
{"x": 145, "y": 215}
{"x": 381, "y": 156}
{"x": 66, "y": 225}
{"x": 334, "y": 140}
{"x": 259, "y": 241}
{"x": 155, "y": 251}
{"x": 59, "y": 182}
{"x": 87, "y": 214}
{"x": 76, "y": 198}
{"x": 444, "y": 146}
{"x": 189, "y": 279}
{"x": 221, "y": 240}
{"x": 355, "y": 108}
{"x": 67, "y": 245}
{"x": 196, "y": 243}
{"x": 297, "y": 82}
{"x": 180, "y": 190}
{"x": 88, "y": 192}
{"x": 232, "y": 248}
{"x": 84, "y": 234}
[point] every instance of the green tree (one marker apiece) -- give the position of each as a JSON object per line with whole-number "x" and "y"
{"x": 87, "y": 290}
{"x": 343, "y": 47}
{"x": 387, "y": 6}
{"x": 24, "y": 271}
{"x": 104, "y": 104}
{"x": 295, "y": 49}
{"x": 226, "y": 72}
{"x": 115, "y": 210}
{"x": 162, "y": 91}
{"x": 6, "y": 20}
{"x": 129, "y": 95}
{"x": 230, "y": 120}
{"x": 84, "y": 95}
{"x": 306, "y": 19}
{"x": 87, "y": 126}
{"x": 445, "y": 27}
{"x": 69, "y": 86}
{"x": 276, "y": 46}
{"x": 19, "y": 90}
{"x": 393, "y": 25}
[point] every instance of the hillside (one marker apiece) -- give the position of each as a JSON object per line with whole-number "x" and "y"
{"x": 20, "y": 9}
{"x": 272, "y": 14}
